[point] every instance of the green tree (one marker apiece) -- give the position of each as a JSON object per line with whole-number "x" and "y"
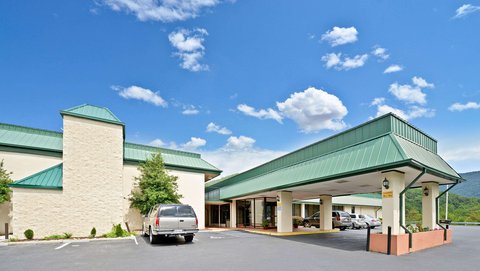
{"x": 154, "y": 185}
{"x": 5, "y": 191}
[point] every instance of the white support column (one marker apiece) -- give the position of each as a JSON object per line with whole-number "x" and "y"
{"x": 325, "y": 212}
{"x": 302, "y": 210}
{"x": 284, "y": 211}
{"x": 233, "y": 214}
{"x": 391, "y": 202}
{"x": 429, "y": 215}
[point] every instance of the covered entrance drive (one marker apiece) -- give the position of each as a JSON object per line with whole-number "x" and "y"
{"x": 385, "y": 155}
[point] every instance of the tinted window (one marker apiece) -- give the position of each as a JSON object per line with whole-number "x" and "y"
{"x": 344, "y": 215}
{"x": 168, "y": 211}
{"x": 352, "y": 216}
{"x": 361, "y": 216}
{"x": 185, "y": 211}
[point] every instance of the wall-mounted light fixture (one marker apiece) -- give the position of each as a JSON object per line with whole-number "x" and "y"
{"x": 386, "y": 183}
{"x": 321, "y": 202}
{"x": 426, "y": 192}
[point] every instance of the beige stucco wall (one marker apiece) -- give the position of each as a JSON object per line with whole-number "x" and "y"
{"x": 21, "y": 165}
{"x": 40, "y": 210}
{"x": 190, "y": 186}
{"x": 92, "y": 174}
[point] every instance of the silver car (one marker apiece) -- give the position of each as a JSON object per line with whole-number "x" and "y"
{"x": 168, "y": 220}
{"x": 358, "y": 221}
{"x": 372, "y": 222}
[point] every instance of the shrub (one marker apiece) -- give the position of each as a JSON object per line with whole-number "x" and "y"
{"x": 297, "y": 220}
{"x": 93, "y": 232}
{"x": 54, "y": 237}
{"x": 67, "y": 235}
{"x": 117, "y": 231}
{"x": 28, "y": 234}
{"x": 265, "y": 223}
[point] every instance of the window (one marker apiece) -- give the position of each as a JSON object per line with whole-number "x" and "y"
{"x": 361, "y": 216}
{"x": 170, "y": 211}
{"x": 185, "y": 211}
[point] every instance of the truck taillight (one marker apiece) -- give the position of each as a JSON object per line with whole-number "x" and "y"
{"x": 196, "y": 220}
{"x": 157, "y": 221}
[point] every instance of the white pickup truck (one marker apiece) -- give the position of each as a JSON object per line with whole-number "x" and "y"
{"x": 165, "y": 220}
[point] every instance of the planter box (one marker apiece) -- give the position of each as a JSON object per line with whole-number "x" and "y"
{"x": 420, "y": 241}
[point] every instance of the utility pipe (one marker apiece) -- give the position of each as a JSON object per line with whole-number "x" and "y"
{"x": 402, "y": 196}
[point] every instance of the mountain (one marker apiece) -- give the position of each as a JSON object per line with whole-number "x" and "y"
{"x": 469, "y": 188}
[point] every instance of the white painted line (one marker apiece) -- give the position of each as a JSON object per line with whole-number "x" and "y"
{"x": 62, "y": 246}
{"x": 135, "y": 239}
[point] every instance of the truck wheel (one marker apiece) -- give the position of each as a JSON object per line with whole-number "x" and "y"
{"x": 343, "y": 228}
{"x": 188, "y": 238}
{"x": 152, "y": 238}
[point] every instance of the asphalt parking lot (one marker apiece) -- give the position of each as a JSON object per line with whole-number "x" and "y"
{"x": 236, "y": 250}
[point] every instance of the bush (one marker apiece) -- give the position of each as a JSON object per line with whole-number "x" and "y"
{"x": 28, "y": 234}
{"x": 93, "y": 232}
{"x": 297, "y": 220}
{"x": 67, "y": 235}
{"x": 265, "y": 223}
{"x": 54, "y": 237}
{"x": 117, "y": 231}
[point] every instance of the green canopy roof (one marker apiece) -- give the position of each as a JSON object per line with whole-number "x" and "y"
{"x": 92, "y": 112}
{"x": 383, "y": 143}
{"x": 50, "y": 178}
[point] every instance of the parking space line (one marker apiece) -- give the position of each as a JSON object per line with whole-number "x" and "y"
{"x": 135, "y": 239}
{"x": 62, "y": 246}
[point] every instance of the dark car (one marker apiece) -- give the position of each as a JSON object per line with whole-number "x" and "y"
{"x": 340, "y": 220}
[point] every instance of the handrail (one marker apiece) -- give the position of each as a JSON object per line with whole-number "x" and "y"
{"x": 402, "y": 196}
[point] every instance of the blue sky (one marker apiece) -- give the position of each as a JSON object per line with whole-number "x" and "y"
{"x": 270, "y": 78}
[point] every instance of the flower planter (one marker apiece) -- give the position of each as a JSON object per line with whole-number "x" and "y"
{"x": 400, "y": 245}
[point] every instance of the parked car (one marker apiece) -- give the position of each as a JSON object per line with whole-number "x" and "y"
{"x": 372, "y": 222}
{"x": 313, "y": 220}
{"x": 340, "y": 220}
{"x": 168, "y": 220}
{"x": 358, "y": 221}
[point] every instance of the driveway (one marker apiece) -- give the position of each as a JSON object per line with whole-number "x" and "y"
{"x": 236, "y": 250}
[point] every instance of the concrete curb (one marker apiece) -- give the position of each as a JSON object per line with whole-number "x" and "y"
{"x": 40, "y": 242}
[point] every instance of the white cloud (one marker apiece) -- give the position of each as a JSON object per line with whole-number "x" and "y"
{"x": 314, "y": 109}
{"x": 340, "y": 35}
{"x": 214, "y": 128}
{"x": 393, "y": 68}
{"x": 190, "y": 110}
{"x": 461, "y": 107}
{"x": 236, "y": 161}
{"x": 190, "y": 48}
{"x": 408, "y": 93}
{"x": 422, "y": 83}
{"x": 260, "y": 114}
{"x": 377, "y": 101}
{"x": 412, "y": 113}
{"x": 239, "y": 143}
{"x": 462, "y": 154}
{"x": 353, "y": 63}
{"x": 333, "y": 60}
{"x": 157, "y": 142}
{"x": 380, "y": 52}
{"x": 139, "y": 93}
{"x": 194, "y": 143}
{"x": 465, "y": 10}
{"x": 164, "y": 11}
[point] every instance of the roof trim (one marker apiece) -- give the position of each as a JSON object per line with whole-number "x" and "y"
{"x": 20, "y": 184}
{"x": 85, "y": 116}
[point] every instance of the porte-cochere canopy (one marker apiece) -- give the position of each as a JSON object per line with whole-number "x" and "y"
{"x": 350, "y": 162}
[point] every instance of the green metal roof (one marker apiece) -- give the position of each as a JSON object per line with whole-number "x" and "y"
{"x": 19, "y": 136}
{"x": 382, "y": 143}
{"x": 92, "y": 112}
{"x": 31, "y": 139}
{"x": 188, "y": 160}
{"x": 50, "y": 178}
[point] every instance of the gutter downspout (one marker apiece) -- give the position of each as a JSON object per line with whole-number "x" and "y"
{"x": 437, "y": 209}
{"x": 402, "y": 196}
